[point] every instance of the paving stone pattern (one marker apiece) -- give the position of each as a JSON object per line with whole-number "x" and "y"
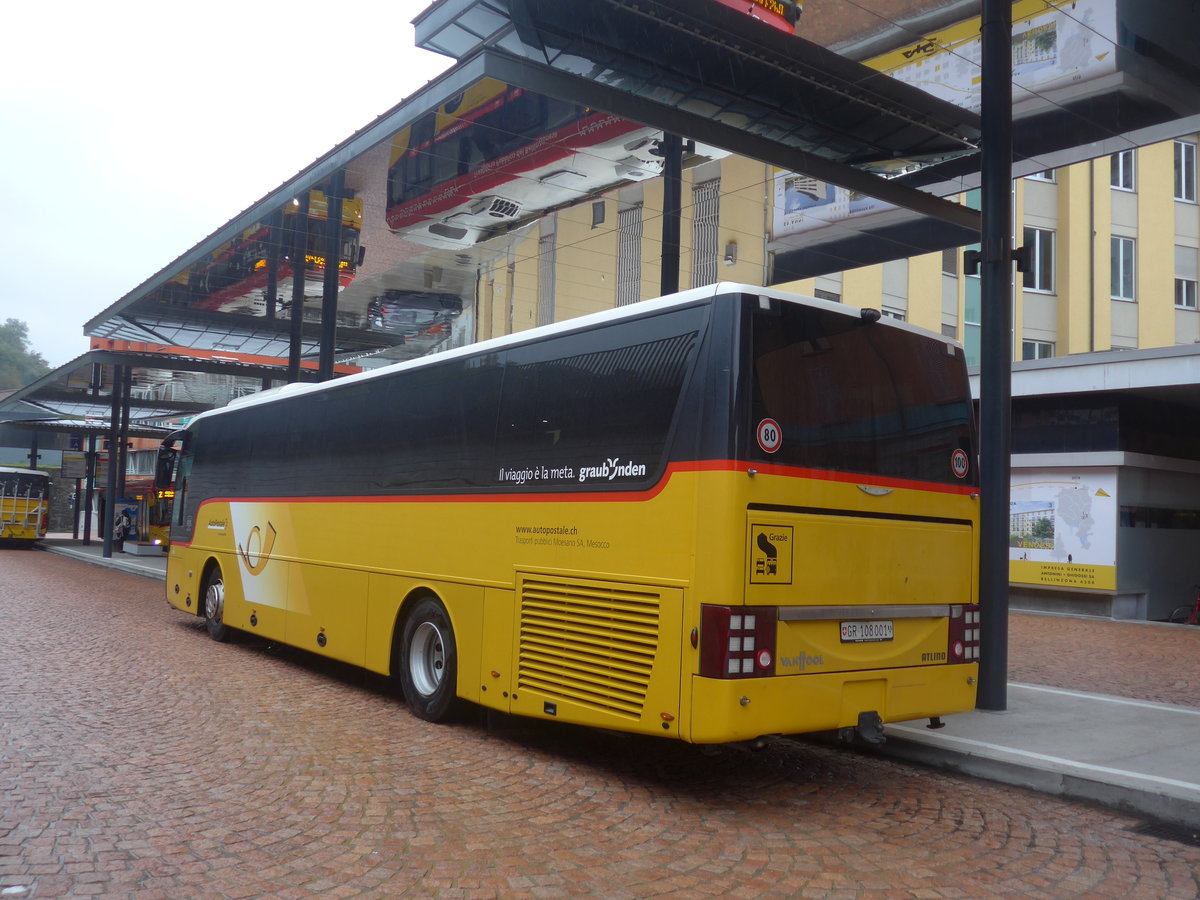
{"x": 1140, "y": 660}
{"x": 139, "y": 759}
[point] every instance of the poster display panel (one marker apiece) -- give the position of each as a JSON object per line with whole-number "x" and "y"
{"x": 1063, "y": 528}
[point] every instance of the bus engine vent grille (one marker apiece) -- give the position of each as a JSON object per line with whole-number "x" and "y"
{"x": 590, "y": 643}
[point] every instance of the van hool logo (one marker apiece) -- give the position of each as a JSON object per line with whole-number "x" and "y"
{"x": 612, "y": 468}
{"x": 801, "y": 661}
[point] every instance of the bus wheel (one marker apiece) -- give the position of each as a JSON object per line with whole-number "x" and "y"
{"x": 429, "y": 662}
{"x": 214, "y": 606}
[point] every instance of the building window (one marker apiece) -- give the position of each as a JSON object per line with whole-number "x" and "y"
{"x": 1040, "y": 275}
{"x": 890, "y": 312}
{"x": 1185, "y": 293}
{"x": 629, "y": 255}
{"x": 950, "y": 331}
{"x": 1047, "y": 175}
{"x": 706, "y": 198}
{"x": 1037, "y": 349}
{"x": 1122, "y": 281}
{"x": 1187, "y": 273}
{"x": 950, "y": 261}
{"x": 1122, "y": 170}
{"x": 831, "y": 296}
{"x": 1185, "y": 171}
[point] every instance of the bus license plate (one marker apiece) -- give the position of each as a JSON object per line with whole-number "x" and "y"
{"x": 866, "y": 632}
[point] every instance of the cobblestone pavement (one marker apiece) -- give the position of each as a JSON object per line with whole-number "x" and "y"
{"x": 140, "y": 759}
{"x": 1140, "y": 660}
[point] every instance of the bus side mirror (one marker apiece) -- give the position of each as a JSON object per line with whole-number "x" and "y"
{"x": 164, "y": 469}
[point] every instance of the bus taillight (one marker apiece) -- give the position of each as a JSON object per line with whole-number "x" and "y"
{"x": 963, "y": 641}
{"x": 737, "y": 641}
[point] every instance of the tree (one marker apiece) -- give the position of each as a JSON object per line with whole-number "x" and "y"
{"x": 19, "y": 365}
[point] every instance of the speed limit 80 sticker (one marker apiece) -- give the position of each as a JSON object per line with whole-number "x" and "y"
{"x": 770, "y": 435}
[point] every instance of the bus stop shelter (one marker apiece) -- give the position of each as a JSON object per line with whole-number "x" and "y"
{"x": 323, "y": 266}
{"x": 104, "y": 398}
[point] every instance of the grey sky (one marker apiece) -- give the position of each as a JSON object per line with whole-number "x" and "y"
{"x": 132, "y": 130}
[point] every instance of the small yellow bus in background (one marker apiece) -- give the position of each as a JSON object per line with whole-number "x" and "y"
{"x": 717, "y": 516}
{"x": 24, "y": 505}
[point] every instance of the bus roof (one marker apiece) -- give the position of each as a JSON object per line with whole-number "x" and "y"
{"x": 633, "y": 310}
{"x": 16, "y": 470}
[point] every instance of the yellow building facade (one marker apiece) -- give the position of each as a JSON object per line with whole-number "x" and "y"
{"x": 1114, "y": 245}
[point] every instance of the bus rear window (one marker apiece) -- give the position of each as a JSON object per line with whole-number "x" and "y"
{"x": 857, "y": 396}
{"x": 12, "y": 484}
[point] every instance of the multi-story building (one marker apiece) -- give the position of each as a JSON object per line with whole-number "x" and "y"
{"x": 1113, "y": 245}
{"x": 1113, "y": 249}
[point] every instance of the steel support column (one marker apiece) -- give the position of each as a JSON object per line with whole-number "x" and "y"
{"x": 299, "y": 250}
{"x": 126, "y": 394}
{"x": 90, "y": 484}
{"x": 995, "y": 380}
{"x": 333, "y": 256}
{"x": 110, "y": 475}
{"x": 672, "y": 152}
{"x": 274, "y": 251}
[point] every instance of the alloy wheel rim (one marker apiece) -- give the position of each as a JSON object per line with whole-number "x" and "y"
{"x": 427, "y": 658}
{"x": 214, "y": 601}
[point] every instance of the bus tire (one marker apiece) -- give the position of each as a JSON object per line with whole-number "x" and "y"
{"x": 214, "y": 605}
{"x": 428, "y": 660}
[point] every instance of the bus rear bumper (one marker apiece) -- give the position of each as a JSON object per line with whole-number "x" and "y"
{"x": 724, "y": 710}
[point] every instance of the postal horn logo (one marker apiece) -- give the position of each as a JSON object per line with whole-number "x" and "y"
{"x": 256, "y": 552}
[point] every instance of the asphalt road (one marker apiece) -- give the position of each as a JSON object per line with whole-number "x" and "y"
{"x": 140, "y": 759}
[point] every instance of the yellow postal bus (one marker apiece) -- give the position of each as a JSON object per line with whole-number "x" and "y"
{"x": 24, "y": 505}
{"x": 721, "y": 515}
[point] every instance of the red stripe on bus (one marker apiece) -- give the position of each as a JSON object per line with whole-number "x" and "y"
{"x": 713, "y": 465}
{"x": 834, "y": 475}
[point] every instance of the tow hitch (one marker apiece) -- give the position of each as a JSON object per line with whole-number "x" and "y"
{"x": 869, "y": 730}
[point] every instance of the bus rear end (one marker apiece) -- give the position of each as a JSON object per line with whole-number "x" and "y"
{"x": 24, "y": 505}
{"x": 853, "y": 496}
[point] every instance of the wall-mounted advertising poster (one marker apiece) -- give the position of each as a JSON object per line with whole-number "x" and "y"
{"x": 1063, "y": 528}
{"x": 1054, "y": 47}
{"x": 803, "y": 203}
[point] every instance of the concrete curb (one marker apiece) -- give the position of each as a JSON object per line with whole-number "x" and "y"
{"x": 1165, "y": 800}
{"x": 130, "y": 565}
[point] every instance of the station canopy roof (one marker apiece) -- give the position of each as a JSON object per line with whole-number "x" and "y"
{"x": 409, "y": 264}
{"x": 163, "y": 387}
{"x": 557, "y": 102}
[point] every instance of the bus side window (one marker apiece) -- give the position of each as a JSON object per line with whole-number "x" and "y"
{"x": 182, "y": 475}
{"x": 613, "y": 400}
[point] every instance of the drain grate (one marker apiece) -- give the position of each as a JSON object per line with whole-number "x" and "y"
{"x": 1167, "y": 832}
